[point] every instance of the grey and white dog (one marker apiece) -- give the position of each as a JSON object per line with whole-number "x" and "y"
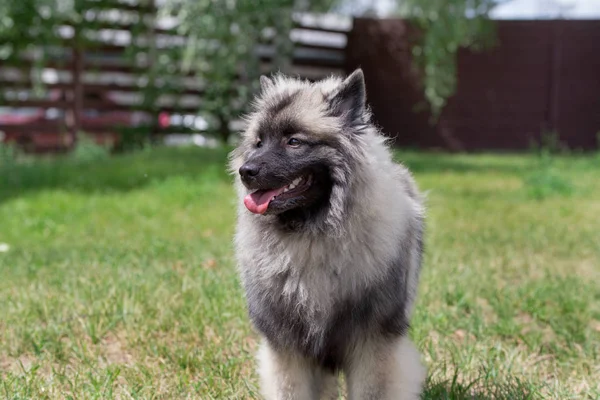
{"x": 329, "y": 244}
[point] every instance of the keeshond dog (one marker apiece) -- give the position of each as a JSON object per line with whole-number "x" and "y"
{"x": 328, "y": 242}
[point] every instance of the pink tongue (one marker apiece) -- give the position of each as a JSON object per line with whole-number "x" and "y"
{"x": 258, "y": 202}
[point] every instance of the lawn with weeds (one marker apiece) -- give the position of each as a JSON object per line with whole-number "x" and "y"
{"x": 118, "y": 280}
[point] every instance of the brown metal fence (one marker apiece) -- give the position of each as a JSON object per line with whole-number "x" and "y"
{"x": 542, "y": 76}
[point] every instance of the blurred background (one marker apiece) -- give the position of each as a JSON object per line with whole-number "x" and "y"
{"x": 452, "y": 74}
{"x": 117, "y": 212}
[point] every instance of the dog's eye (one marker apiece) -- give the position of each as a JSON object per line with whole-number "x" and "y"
{"x": 259, "y": 144}
{"x": 294, "y": 142}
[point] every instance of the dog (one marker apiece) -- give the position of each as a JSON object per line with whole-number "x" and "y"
{"x": 329, "y": 241}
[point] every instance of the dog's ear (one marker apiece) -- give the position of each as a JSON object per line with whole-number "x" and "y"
{"x": 265, "y": 82}
{"x": 349, "y": 99}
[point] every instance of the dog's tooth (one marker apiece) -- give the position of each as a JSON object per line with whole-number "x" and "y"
{"x": 296, "y": 181}
{"x": 286, "y": 189}
{"x": 292, "y": 185}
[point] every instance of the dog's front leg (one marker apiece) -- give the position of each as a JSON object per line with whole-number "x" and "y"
{"x": 287, "y": 376}
{"x": 390, "y": 370}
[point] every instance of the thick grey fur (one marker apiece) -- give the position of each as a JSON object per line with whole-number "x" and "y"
{"x": 332, "y": 290}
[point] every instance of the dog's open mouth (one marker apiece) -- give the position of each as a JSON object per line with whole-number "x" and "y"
{"x": 258, "y": 201}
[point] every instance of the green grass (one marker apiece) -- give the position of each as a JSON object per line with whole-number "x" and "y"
{"x": 119, "y": 279}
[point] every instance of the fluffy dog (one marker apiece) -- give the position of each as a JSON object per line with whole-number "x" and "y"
{"x": 328, "y": 242}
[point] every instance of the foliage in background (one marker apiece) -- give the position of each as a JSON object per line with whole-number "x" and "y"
{"x": 545, "y": 179}
{"x": 218, "y": 42}
{"x": 446, "y": 26}
{"x": 9, "y": 155}
{"x": 25, "y": 24}
{"x": 37, "y": 33}
{"x": 87, "y": 150}
{"x": 226, "y": 42}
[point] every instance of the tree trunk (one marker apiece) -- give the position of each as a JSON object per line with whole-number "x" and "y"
{"x": 224, "y": 131}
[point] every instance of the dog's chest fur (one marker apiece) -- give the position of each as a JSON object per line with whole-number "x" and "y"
{"x": 317, "y": 294}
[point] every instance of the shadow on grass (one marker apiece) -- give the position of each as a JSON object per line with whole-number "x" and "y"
{"x": 117, "y": 173}
{"x": 134, "y": 170}
{"x": 486, "y": 387}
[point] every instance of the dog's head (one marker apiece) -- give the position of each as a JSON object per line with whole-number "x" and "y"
{"x": 296, "y": 155}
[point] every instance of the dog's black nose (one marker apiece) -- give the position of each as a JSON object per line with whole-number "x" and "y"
{"x": 249, "y": 170}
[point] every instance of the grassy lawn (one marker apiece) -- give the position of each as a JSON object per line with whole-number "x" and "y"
{"x": 118, "y": 280}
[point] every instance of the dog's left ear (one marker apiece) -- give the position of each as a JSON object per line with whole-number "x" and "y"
{"x": 349, "y": 100}
{"x": 265, "y": 82}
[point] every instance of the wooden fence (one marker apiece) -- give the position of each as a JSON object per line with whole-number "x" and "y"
{"x": 102, "y": 89}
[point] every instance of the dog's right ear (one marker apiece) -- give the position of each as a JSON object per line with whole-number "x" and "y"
{"x": 265, "y": 82}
